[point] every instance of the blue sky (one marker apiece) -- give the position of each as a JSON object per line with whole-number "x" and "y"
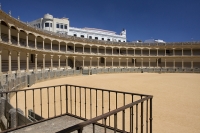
{"x": 170, "y": 20}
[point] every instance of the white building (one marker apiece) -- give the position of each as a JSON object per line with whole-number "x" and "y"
{"x": 154, "y": 41}
{"x": 61, "y": 25}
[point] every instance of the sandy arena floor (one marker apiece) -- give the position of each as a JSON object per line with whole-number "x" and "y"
{"x": 176, "y": 102}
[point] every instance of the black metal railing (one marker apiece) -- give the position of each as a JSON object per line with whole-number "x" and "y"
{"x": 110, "y": 109}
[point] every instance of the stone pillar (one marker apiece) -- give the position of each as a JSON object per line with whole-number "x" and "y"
{"x": 74, "y": 62}
{"x": 59, "y": 62}
{"x": 104, "y": 50}
{"x": 0, "y": 31}
{"x": 43, "y": 62}
{"x": 165, "y": 63}
{"x": 36, "y": 62}
{"x": 27, "y": 62}
{"x": 112, "y": 62}
{"x": 9, "y": 34}
{"x": 83, "y": 61}
{"x": 191, "y": 64}
{"x": 51, "y": 45}
{"x": 191, "y": 52}
{"x": 126, "y": 62}
{"x": 9, "y": 61}
{"x": 142, "y": 62}
{"x": 119, "y": 63}
{"x": 182, "y": 63}
{"x": 90, "y": 62}
{"x": 149, "y": 62}
{"x": 18, "y": 61}
{"x": 35, "y": 42}
{"x": 51, "y": 62}
{"x": 83, "y": 49}
{"x": 97, "y": 50}
{"x": 90, "y": 50}
{"x": 59, "y": 47}
{"x": 126, "y": 51}
{"x": 97, "y": 62}
{"x": 66, "y": 48}
{"x": 43, "y": 44}
{"x": 174, "y": 64}
{"x": 104, "y": 62}
{"x": 13, "y": 116}
{"x": 18, "y": 38}
{"x": 74, "y": 48}
{"x": 27, "y": 40}
{"x": 66, "y": 62}
{"x": 112, "y": 50}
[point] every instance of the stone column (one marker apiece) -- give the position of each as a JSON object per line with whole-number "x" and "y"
{"x": 51, "y": 45}
{"x": 182, "y": 63}
{"x": 126, "y": 62}
{"x": 27, "y": 40}
{"x": 27, "y": 62}
{"x": 35, "y": 42}
{"x": 43, "y": 44}
{"x": 104, "y": 62}
{"x": 174, "y": 63}
{"x": 18, "y": 61}
{"x": 112, "y": 50}
{"x": 97, "y": 62}
{"x": 90, "y": 62}
{"x": 90, "y": 50}
{"x": 149, "y": 62}
{"x": 59, "y": 62}
{"x": 74, "y": 62}
{"x": 59, "y": 47}
{"x": 142, "y": 62}
{"x": 83, "y": 49}
{"x": 66, "y": 62}
{"x": 165, "y": 63}
{"x": 119, "y": 63}
{"x": 43, "y": 62}
{"x": 83, "y": 61}
{"x": 18, "y": 38}
{"x": 51, "y": 62}
{"x": 112, "y": 62}
{"x": 191, "y": 52}
{"x": 97, "y": 50}
{"x": 9, "y": 34}
{"x": 126, "y": 51}
{"x": 104, "y": 50}
{"x": 36, "y": 62}
{"x": 0, "y": 31}
{"x": 191, "y": 64}
{"x": 9, "y": 61}
{"x": 66, "y": 48}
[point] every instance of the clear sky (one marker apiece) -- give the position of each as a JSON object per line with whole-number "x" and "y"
{"x": 170, "y": 20}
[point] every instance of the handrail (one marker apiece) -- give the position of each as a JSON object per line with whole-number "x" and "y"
{"x": 94, "y": 120}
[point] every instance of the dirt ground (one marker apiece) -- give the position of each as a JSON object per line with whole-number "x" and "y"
{"x": 176, "y": 101}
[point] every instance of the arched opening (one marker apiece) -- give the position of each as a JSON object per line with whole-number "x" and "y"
{"x": 22, "y": 36}
{"x": 145, "y": 52}
{"x": 55, "y": 45}
{"x": 101, "y": 50}
{"x": 70, "y": 63}
{"x": 70, "y": 47}
{"x": 130, "y": 51}
{"x": 115, "y": 51}
{"x": 39, "y": 42}
{"x": 87, "y": 49}
{"x": 123, "y": 51}
{"x": 79, "y": 48}
{"x": 94, "y": 49}
{"x": 31, "y": 40}
{"x": 153, "y": 52}
{"x": 47, "y": 44}
{"x": 62, "y": 46}
{"x": 137, "y": 52}
{"x": 109, "y": 50}
{"x": 4, "y": 31}
{"x": 14, "y": 33}
{"x": 178, "y": 52}
{"x": 161, "y": 52}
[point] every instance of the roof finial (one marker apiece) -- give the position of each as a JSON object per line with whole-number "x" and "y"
{"x": 10, "y": 13}
{"x": 18, "y": 18}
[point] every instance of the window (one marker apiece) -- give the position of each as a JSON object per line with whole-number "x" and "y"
{"x": 66, "y": 26}
{"x": 75, "y": 35}
{"x": 82, "y": 36}
{"x": 90, "y": 37}
{"x": 57, "y": 25}
{"x": 61, "y": 26}
{"x": 102, "y": 60}
{"x": 96, "y": 38}
{"x": 38, "y": 25}
{"x": 119, "y": 40}
{"x": 159, "y": 60}
{"x": 167, "y": 52}
{"x": 50, "y": 24}
{"x": 102, "y": 38}
{"x": 123, "y": 41}
{"x": 108, "y": 39}
{"x": 46, "y": 24}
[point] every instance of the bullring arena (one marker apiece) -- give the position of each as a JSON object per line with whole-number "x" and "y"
{"x": 95, "y": 85}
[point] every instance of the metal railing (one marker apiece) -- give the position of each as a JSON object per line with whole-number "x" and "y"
{"x": 113, "y": 110}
